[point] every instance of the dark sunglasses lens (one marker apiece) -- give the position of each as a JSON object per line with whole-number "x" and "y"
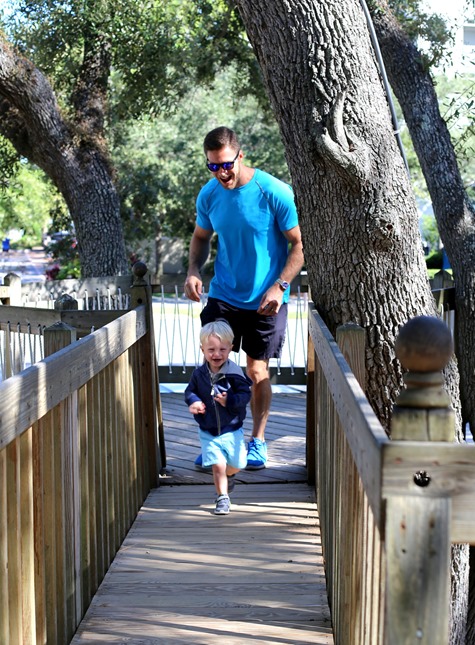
{"x": 213, "y": 167}
{"x": 228, "y": 165}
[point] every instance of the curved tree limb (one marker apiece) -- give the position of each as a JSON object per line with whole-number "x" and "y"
{"x": 342, "y": 149}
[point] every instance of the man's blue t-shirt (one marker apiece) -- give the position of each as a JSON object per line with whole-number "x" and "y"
{"x": 249, "y": 221}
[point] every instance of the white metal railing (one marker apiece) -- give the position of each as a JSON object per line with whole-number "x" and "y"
{"x": 177, "y": 327}
{"x": 96, "y": 301}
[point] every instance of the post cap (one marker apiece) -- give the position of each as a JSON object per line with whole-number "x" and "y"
{"x": 424, "y": 344}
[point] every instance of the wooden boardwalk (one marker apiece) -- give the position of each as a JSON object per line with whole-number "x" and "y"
{"x": 184, "y": 575}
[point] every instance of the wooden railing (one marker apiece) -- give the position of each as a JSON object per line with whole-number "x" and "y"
{"x": 79, "y": 452}
{"x": 389, "y": 509}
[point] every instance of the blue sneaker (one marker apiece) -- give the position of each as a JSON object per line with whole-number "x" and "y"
{"x": 199, "y": 465}
{"x": 256, "y": 454}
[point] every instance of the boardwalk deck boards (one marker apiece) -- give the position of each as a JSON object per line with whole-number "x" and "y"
{"x": 184, "y": 575}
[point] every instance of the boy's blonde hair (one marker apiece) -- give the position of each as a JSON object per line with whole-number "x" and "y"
{"x": 218, "y": 328}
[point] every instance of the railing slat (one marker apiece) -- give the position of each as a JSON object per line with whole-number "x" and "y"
{"x": 4, "y": 604}
{"x": 27, "y": 538}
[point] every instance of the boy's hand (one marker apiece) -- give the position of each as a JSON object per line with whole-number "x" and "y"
{"x": 221, "y": 398}
{"x": 198, "y": 407}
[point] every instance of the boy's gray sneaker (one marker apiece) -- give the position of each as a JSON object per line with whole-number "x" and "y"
{"x": 223, "y": 505}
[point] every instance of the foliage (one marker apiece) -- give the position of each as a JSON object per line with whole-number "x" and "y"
{"x": 9, "y": 165}
{"x": 27, "y": 203}
{"x": 435, "y": 260}
{"x": 457, "y": 101}
{"x": 426, "y": 26}
{"x": 157, "y": 49}
{"x": 138, "y": 59}
{"x": 456, "y": 97}
{"x": 160, "y": 161}
{"x": 429, "y": 231}
{"x": 64, "y": 250}
{"x": 177, "y": 69}
{"x": 69, "y": 270}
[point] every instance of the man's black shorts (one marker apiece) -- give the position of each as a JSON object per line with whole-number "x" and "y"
{"x": 261, "y": 336}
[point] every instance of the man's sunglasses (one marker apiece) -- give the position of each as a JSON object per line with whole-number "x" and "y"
{"x": 226, "y": 165}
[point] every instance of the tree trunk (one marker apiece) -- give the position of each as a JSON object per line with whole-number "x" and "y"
{"x": 74, "y": 158}
{"x": 357, "y": 212}
{"x": 356, "y": 208}
{"x": 414, "y": 89}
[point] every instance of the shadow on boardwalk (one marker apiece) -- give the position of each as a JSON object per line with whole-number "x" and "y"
{"x": 184, "y": 575}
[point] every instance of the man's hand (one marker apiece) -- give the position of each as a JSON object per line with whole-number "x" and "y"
{"x": 193, "y": 287}
{"x": 271, "y": 301}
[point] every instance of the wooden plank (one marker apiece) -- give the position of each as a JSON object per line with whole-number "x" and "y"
{"x": 418, "y": 571}
{"x": 39, "y": 523}
{"x": 4, "y": 604}
{"x": 50, "y": 448}
{"x": 85, "y": 321}
{"x": 85, "y": 501}
{"x": 14, "y": 541}
{"x": 451, "y": 468}
{"x": 285, "y": 437}
{"x": 27, "y": 538}
{"x": 205, "y": 633}
{"x": 30, "y": 319}
{"x": 254, "y": 576}
{"x": 22, "y": 402}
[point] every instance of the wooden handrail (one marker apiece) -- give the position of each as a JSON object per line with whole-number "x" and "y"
{"x": 360, "y": 475}
{"x": 362, "y": 429}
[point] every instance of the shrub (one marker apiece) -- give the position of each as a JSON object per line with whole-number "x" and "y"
{"x": 434, "y": 260}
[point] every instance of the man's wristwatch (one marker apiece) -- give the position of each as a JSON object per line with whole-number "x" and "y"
{"x": 282, "y": 284}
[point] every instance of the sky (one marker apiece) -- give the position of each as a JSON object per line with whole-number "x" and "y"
{"x": 450, "y": 8}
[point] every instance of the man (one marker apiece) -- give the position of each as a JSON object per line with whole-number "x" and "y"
{"x": 259, "y": 254}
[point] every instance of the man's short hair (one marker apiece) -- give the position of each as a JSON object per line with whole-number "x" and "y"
{"x": 218, "y": 328}
{"x": 220, "y": 138}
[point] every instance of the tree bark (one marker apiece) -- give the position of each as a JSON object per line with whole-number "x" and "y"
{"x": 356, "y": 207}
{"x": 74, "y": 157}
{"x": 455, "y": 216}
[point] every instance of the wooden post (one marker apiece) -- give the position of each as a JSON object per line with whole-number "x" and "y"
{"x": 141, "y": 293}
{"x": 65, "y": 302}
{"x": 418, "y": 522}
{"x": 311, "y": 418}
{"x": 13, "y": 282}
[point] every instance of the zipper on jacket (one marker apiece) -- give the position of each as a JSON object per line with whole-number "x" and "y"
{"x": 213, "y": 394}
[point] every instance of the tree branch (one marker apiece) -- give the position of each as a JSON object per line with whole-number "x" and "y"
{"x": 29, "y": 114}
{"x": 341, "y": 148}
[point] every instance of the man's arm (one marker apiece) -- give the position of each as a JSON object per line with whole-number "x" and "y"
{"x": 272, "y": 299}
{"x": 199, "y": 251}
{"x": 295, "y": 259}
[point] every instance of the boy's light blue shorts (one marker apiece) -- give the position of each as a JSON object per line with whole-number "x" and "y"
{"x": 229, "y": 448}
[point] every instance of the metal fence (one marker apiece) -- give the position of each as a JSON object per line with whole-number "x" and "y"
{"x": 177, "y": 327}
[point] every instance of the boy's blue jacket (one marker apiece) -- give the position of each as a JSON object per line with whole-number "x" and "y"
{"x": 204, "y": 385}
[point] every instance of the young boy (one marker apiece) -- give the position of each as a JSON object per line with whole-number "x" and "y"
{"x": 217, "y": 396}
